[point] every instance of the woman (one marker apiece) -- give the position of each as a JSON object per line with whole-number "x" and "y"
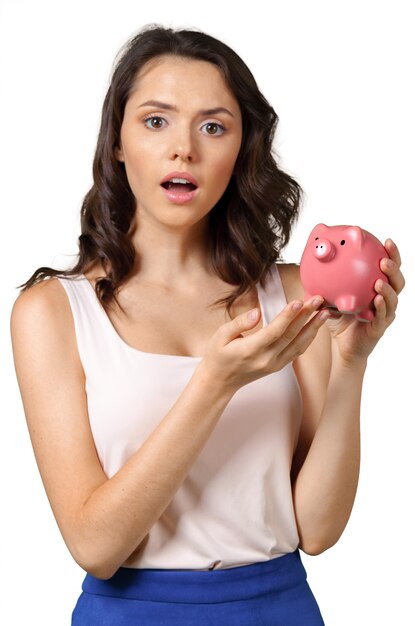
{"x": 189, "y": 449}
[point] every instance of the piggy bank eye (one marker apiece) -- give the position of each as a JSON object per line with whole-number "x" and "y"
{"x": 316, "y": 239}
{"x": 342, "y": 242}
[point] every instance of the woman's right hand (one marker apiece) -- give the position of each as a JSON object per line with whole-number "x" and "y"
{"x": 234, "y": 361}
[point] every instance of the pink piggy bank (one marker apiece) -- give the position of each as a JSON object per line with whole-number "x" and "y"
{"x": 342, "y": 264}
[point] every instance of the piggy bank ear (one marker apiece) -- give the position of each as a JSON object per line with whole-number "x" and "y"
{"x": 319, "y": 230}
{"x": 356, "y": 235}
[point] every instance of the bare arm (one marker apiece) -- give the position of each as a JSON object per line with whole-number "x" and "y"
{"x": 326, "y": 463}
{"x": 325, "y": 487}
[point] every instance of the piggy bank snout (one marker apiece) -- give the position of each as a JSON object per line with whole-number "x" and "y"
{"x": 323, "y": 249}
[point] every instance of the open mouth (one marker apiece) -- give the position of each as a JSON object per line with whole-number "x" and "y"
{"x": 178, "y": 186}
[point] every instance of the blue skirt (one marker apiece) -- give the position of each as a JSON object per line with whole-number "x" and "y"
{"x": 268, "y": 593}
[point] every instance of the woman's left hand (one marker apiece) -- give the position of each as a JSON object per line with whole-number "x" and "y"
{"x": 355, "y": 340}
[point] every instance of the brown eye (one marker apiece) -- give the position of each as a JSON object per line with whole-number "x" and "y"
{"x": 216, "y": 126}
{"x": 151, "y": 119}
{"x": 210, "y": 126}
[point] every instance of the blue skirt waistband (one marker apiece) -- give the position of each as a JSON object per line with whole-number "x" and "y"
{"x": 194, "y": 586}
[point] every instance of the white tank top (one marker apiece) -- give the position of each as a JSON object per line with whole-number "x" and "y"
{"x": 235, "y": 506}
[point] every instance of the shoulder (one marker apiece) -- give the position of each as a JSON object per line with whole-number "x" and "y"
{"x": 43, "y": 300}
{"x": 312, "y": 369}
{"x": 294, "y": 290}
{"x": 40, "y": 319}
{"x": 291, "y": 282}
{"x": 313, "y": 366}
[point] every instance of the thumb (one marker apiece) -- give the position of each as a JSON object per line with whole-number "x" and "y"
{"x": 252, "y": 316}
{"x": 241, "y": 322}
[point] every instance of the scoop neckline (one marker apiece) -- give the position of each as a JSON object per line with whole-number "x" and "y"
{"x": 157, "y": 354}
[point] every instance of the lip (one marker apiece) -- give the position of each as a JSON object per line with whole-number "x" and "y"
{"x": 180, "y": 197}
{"x": 186, "y": 175}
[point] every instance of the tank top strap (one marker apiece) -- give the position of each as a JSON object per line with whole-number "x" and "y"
{"x": 91, "y": 329}
{"x": 271, "y": 296}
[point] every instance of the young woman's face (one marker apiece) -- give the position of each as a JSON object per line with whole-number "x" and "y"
{"x": 185, "y": 139}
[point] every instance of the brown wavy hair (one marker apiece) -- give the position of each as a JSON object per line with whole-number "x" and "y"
{"x": 251, "y": 222}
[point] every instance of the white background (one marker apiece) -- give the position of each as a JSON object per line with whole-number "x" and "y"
{"x": 340, "y": 77}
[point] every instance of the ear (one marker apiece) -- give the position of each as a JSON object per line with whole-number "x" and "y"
{"x": 356, "y": 234}
{"x": 318, "y": 230}
{"x": 119, "y": 155}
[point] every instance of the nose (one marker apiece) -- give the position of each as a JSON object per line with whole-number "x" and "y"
{"x": 324, "y": 250}
{"x": 184, "y": 145}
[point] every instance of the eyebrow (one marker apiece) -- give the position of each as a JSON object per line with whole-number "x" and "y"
{"x": 171, "y": 107}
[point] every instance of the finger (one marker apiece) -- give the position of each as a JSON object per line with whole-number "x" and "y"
{"x": 389, "y": 297}
{"x": 285, "y": 326}
{"x": 304, "y": 338}
{"x": 392, "y": 271}
{"x": 379, "y": 322}
{"x": 392, "y": 250}
{"x": 280, "y": 340}
{"x": 307, "y": 318}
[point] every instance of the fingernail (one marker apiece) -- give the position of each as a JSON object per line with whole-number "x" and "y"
{"x": 325, "y": 315}
{"x": 297, "y": 306}
{"x": 317, "y": 301}
{"x": 379, "y": 284}
{"x": 389, "y": 264}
